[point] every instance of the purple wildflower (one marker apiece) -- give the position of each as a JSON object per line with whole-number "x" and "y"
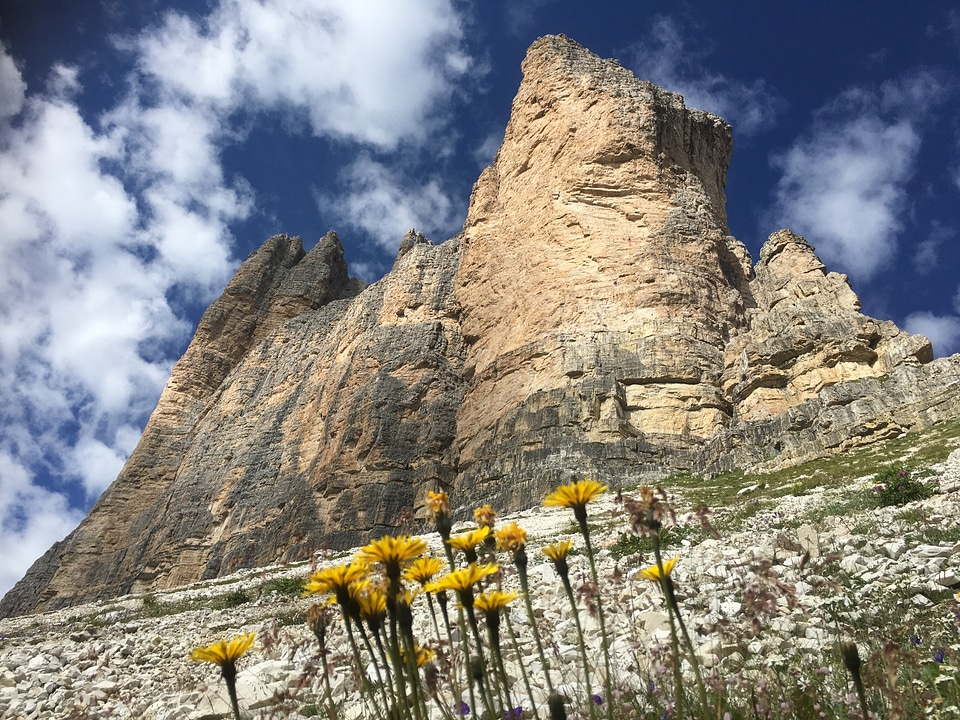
{"x": 464, "y": 709}
{"x": 939, "y": 656}
{"x": 598, "y": 700}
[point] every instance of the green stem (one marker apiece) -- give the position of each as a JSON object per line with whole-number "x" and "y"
{"x": 674, "y": 642}
{"x": 525, "y": 588}
{"x": 493, "y": 634}
{"x": 454, "y": 667}
{"x": 468, "y": 661}
{"x": 607, "y": 680}
{"x": 230, "y": 678}
{"x": 523, "y": 670}
{"x": 466, "y": 599}
{"x": 583, "y": 648}
{"x": 376, "y": 666}
{"x": 364, "y": 680}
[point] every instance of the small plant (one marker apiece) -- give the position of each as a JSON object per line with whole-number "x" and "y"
{"x": 283, "y": 586}
{"x": 232, "y": 599}
{"x": 898, "y": 486}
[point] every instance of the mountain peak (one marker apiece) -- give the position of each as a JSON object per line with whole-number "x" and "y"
{"x": 594, "y": 317}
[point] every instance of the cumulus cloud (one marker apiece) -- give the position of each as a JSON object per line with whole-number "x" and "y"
{"x": 665, "y": 57}
{"x": 943, "y": 331}
{"x": 115, "y": 217}
{"x": 385, "y": 203}
{"x": 371, "y": 72}
{"x": 843, "y": 183}
{"x": 30, "y": 519}
{"x": 12, "y": 87}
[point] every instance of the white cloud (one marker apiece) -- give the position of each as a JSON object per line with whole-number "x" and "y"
{"x": 942, "y": 330}
{"x": 12, "y": 87}
{"x": 666, "y": 58}
{"x": 370, "y": 72}
{"x": 843, "y": 183}
{"x": 31, "y": 519}
{"x": 106, "y": 215}
{"x": 385, "y": 204}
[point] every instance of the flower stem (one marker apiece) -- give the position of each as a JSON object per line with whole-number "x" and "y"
{"x": 523, "y": 670}
{"x": 583, "y": 648}
{"x": 607, "y": 680}
{"x": 525, "y": 588}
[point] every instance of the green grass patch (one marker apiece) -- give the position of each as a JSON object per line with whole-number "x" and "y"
{"x": 284, "y": 586}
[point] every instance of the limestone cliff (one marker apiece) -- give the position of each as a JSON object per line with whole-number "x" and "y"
{"x": 594, "y": 317}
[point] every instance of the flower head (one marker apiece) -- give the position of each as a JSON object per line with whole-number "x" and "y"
{"x": 318, "y": 617}
{"x": 392, "y": 552}
{"x": 373, "y": 605}
{"x": 225, "y": 654}
{"x": 462, "y": 580}
{"x": 438, "y": 503}
{"x": 344, "y": 582}
{"x": 335, "y": 580}
{"x": 575, "y": 496}
{"x": 558, "y": 550}
{"x": 484, "y": 516}
{"x": 467, "y": 542}
{"x": 493, "y": 602}
{"x": 222, "y": 652}
{"x": 423, "y": 570}
{"x": 512, "y": 537}
{"x": 653, "y": 572}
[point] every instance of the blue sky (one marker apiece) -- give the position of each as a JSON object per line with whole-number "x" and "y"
{"x": 147, "y": 147}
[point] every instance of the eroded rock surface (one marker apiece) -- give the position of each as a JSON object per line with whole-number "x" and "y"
{"x": 594, "y": 317}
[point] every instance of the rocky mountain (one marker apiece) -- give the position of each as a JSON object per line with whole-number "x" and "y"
{"x": 594, "y": 317}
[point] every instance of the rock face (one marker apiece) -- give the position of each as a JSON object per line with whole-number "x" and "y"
{"x": 594, "y": 317}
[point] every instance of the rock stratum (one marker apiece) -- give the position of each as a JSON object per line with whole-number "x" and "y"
{"x": 594, "y": 317}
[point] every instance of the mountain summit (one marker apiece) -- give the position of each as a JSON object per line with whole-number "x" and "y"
{"x": 593, "y": 318}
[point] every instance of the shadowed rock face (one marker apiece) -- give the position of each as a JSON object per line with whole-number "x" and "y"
{"x": 593, "y": 318}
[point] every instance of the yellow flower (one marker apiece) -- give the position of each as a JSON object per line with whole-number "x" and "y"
{"x": 373, "y": 603}
{"x": 468, "y": 541}
{"x": 653, "y": 572}
{"x": 424, "y": 655}
{"x": 392, "y": 552}
{"x": 423, "y": 570}
{"x": 223, "y": 653}
{"x": 464, "y": 579}
{"x": 438, "y": 503}
{"x": 484, "y": 515}
{"x": 575, "y": 496}
{"x": 511, "y": 538}
{"x": 493, "y": 601}
{"x": 336, "y": 580}
{"x": 558, "y": 551}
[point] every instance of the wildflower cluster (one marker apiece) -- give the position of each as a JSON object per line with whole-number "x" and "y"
{"x": 898, "y": 486}
{"x": 432, "y": 636}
